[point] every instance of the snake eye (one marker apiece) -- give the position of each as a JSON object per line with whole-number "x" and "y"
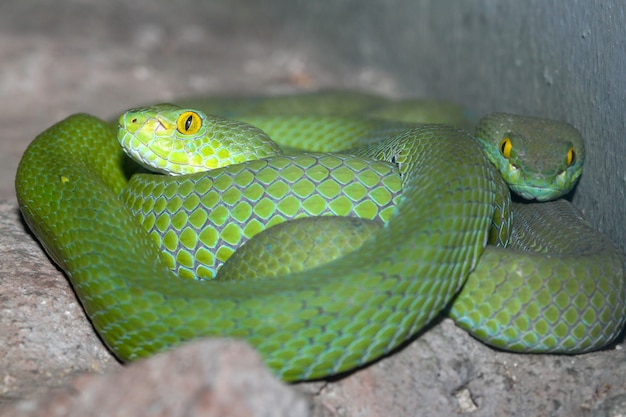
{"x": 571, "y": 156}
{"x": 505, "y": 147}
{"x": 188, "y": 123}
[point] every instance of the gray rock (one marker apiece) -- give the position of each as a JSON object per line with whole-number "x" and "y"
{"x": 44, "y": 335}
{"x": 206, "y": 378}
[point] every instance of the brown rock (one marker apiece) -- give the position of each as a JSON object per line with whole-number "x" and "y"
{"x": 44, "y": 335}
{"x": 205, "y": 378}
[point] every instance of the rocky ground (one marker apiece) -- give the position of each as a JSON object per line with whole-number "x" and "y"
{"x": 52, "y": 362}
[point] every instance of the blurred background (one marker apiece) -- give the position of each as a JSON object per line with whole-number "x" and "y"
{"x": 564, "y": 60}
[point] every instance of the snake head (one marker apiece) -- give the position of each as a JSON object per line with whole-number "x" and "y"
{"x": 540, "y": 159}
{"x": 171, "y": 140}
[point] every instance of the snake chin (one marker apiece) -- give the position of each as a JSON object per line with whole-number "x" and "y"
{"x": 529, "y": 192}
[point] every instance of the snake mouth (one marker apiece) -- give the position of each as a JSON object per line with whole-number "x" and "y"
{"x": 530, "y": 192}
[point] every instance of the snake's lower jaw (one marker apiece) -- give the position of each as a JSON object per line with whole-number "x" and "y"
{"x": 542, "y": 188}
{"x": 529, "y": 192}
{"x": 529, "y": 188}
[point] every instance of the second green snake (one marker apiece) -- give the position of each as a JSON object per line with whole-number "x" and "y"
{"x": 339, "y": 315}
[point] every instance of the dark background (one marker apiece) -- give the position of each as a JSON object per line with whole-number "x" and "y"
{"x": 564, "y": 60}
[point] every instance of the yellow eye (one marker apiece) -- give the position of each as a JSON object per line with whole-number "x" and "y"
{"x": 505, "y": 147}
{"x": 571, "y": 156}
{"x": 189, "y": 123}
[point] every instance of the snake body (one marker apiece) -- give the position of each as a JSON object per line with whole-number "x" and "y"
{"x": 335, "y": 316}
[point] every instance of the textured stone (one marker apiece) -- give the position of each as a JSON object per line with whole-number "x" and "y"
{"x": 206, "y": 378}
{"x": 45, "y": 337}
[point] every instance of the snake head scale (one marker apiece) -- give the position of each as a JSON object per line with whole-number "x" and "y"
{"x": 168, "y": 139}
{"x": 539, "y": 159}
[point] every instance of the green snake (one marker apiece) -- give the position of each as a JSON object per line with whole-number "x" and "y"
{"x": 429, "y": 192}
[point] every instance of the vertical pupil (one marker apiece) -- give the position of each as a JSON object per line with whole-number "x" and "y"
{"x": 505, "y": 147}
{"x": 188, "y": 122}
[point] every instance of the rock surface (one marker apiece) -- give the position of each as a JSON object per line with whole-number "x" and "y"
{"x": 210, "y": 378}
